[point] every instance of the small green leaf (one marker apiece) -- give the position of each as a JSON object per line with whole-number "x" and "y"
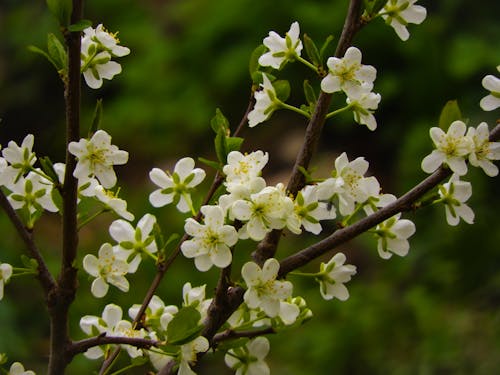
{"x": 48, "y": 168}
{"x": 219, "y": 121}
{"x": 282, "y": 88}
{"x": 325, "y": 46}
{"x": 253, "y": 65}
{"x": 212, "y": 164}
{"x": 377, "y": 5}
{"x": 57, "y": 52}
{"x": 57, "y": 199}
{"x": 312, "y": 51}
{"x": 224, "y": 346}
{"x": 309, "y": 93}
{"x": 450, "y": 112}
{"x": 61, "y": 9}
{"x": 43, "y": 53}
{"x": 233, "y": 144}
{"x": 96, "y": 120}
{"x": 185, "y": 326}
{"x": 80, "y": 25}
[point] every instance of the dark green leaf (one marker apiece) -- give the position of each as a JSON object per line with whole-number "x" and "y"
{"x": 325, "y": 46}
{"x": 43, "y": 53}
{"x": 450, "y": 112}
{"x": 219, "y": 121}
{"x": 233, "y": 143}
{"x": 48, "y": 168}
{"x": 212, "y": 164}
{"x": 224, "y": 346}
{"x": 80, "y": 25}
{"x": 312, "y": 51}
{"x": 377, "y": 5}
{"x": 220, "y": 146}
{"x": 282, "y": 88}
{"x": 61, "y": 9}
{"x": 185, "y": 326}
{"x": 253, "y": 64}
{"x": 309, "y": 93}
{"x": 57, "y": 52}
{"x": 96, "y": 121}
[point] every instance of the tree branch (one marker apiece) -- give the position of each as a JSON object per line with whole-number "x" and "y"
{"x": 44, "y": 276}
{"x": 85, "y": 344}
{"x": 231, "y": 334}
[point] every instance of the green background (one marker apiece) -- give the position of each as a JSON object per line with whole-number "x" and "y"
{"x": 436, "y": 311}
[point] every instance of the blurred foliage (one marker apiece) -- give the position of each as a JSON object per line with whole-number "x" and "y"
{"x": 435, "y": 311}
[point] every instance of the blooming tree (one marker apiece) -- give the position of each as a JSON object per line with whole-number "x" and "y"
{"x": 239, "y": 205}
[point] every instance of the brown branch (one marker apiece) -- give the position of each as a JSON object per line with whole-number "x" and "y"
{"x": 44, "y": 276}
{"x": 85, "y": 344}
{"x": 404, "y": 203}
{"x": 61, "y": 300}
{"x": 231, "y": 334}
{"x": 268, "y": 246}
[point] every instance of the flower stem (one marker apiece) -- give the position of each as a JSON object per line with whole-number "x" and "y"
{"x": 294, "y": 109}
{"x": 307, "y": 63}
{"x": 340, "y": 110}
{"x": 91, "y": 217}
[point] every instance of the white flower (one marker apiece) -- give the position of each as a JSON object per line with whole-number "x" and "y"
{"x": 20, "y": 160}
{"x": 282, "y": 50}
{"x": 86, "y": 187}
{"x": 451, "y": 148}
{"x": 176, "y": 187}
{"x": 211, "y": 241}
{"x": 98, "y": 48}
{"x": 18, "y": 369}
{"x": 108, "y": 268}
{"x": 349, "y": 184}
{"x": 348, "y": 74}
{"x": 393, "y": 236}
{"x": 135, "y": 241}
{"x": 188, "y": 354}
{"x": 96, "y": 157}
{"x": 112, "y": 202}
{"x": 308, "y": 211}
{"x": 333, "y": 275}
{"x": 265, "y": 211}
{"x": 264, "y": 291}
{"x": 453, "y": 194}
{"x": 196, "y": 297}
{"x": 244, "y": 167}
{"x": 249, "y": 359}
{"x": 5, "y": 274}
{"x": 156, "y": 314}
{"x": 492, "y": 84}
{"x": 399, "y": 13}
{"x": 266, "y": 103}
{"x": 32, "y": 192}
{"x": 111, "y": 324}
{"x": 483, "y": 151}
{"x": 363, "y": 104}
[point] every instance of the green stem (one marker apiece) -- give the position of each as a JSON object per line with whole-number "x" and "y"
{"x": 91, "y": 217}
{"x": 307, "y": 63}
{"x": 343, "y": 109}
{"x": 305, "y": 274}
{"x": 294, "y": 109}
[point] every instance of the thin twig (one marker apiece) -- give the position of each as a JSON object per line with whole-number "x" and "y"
{"x": 85, "y": 344}
{"x": 231, "y": 334}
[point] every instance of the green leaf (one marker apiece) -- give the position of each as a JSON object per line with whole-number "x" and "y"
{"x": 80, "y": 25}
{"x": 282, "y": 88}
{"x": 57, "y": 52}
{"x": 377, "y": 5}
{"x": 253, "y": 64}
{"x": 48, "y": 168}
{"x": 450, "y": 112}
{"x": 43, "y": 53}
{"x": 309, "y": 93}
{"x": 312, "y": 51}
{"x": 219, "y": 121}
{"x": 57, "y": 199}
{"x": 224, "y": 346}
{"x": 212, "y": 164}
{"x": 29, "y": 263}
{"x": 61, "y": 9}
{"x": 325, "y": 46}
{"x": 96, "y": 120}
{"x": 220, "y": 147}
{"x": 185, "y": 326}
{"x": 233, "y": 144}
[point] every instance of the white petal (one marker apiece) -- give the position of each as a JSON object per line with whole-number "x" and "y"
{"x": 121, "y": 231}
{"x": 99, "y": 287}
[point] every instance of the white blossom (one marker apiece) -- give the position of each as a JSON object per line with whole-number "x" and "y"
{"x": 134, "y": 241}
{"x": 454, "y": 194}
{"x": 195, "y": 296}
{"x": 112, "y": 202}
{"x": 18, "y": 369}
{"x": 32, "y": 192}
{"x": 308, "y": 210}
{"x": 451, "y": 148}
{"x": 156, "y": 314}
{"x": 332, "y": 277}
{"x": 188, "y": 354}
{"x": 211, "y": 241}
{"x": 348, "y": 74}
{"x": 97, "y": 49}
{"x": 249, "y": 359}
{"x": 176, "y": 187}
{"x": 492, "y": 84}
{"x": 266, "y": 103}
{"x": 5, "y": 275}
{"x": 393, "y": 235}
{"x": 363, "y": 103}
{"x": 483, "y": 150}
{"x": 399, "y": 13}
{"x": 96, "y": 157}
{"x": 264, "y": 291}
{"x": 282, "y": 50}
{"x": 86, "y": 187}
{"x": 107, "y": 269}
{"x": 20, "y": 160}
{"x": 244, "y": 167}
